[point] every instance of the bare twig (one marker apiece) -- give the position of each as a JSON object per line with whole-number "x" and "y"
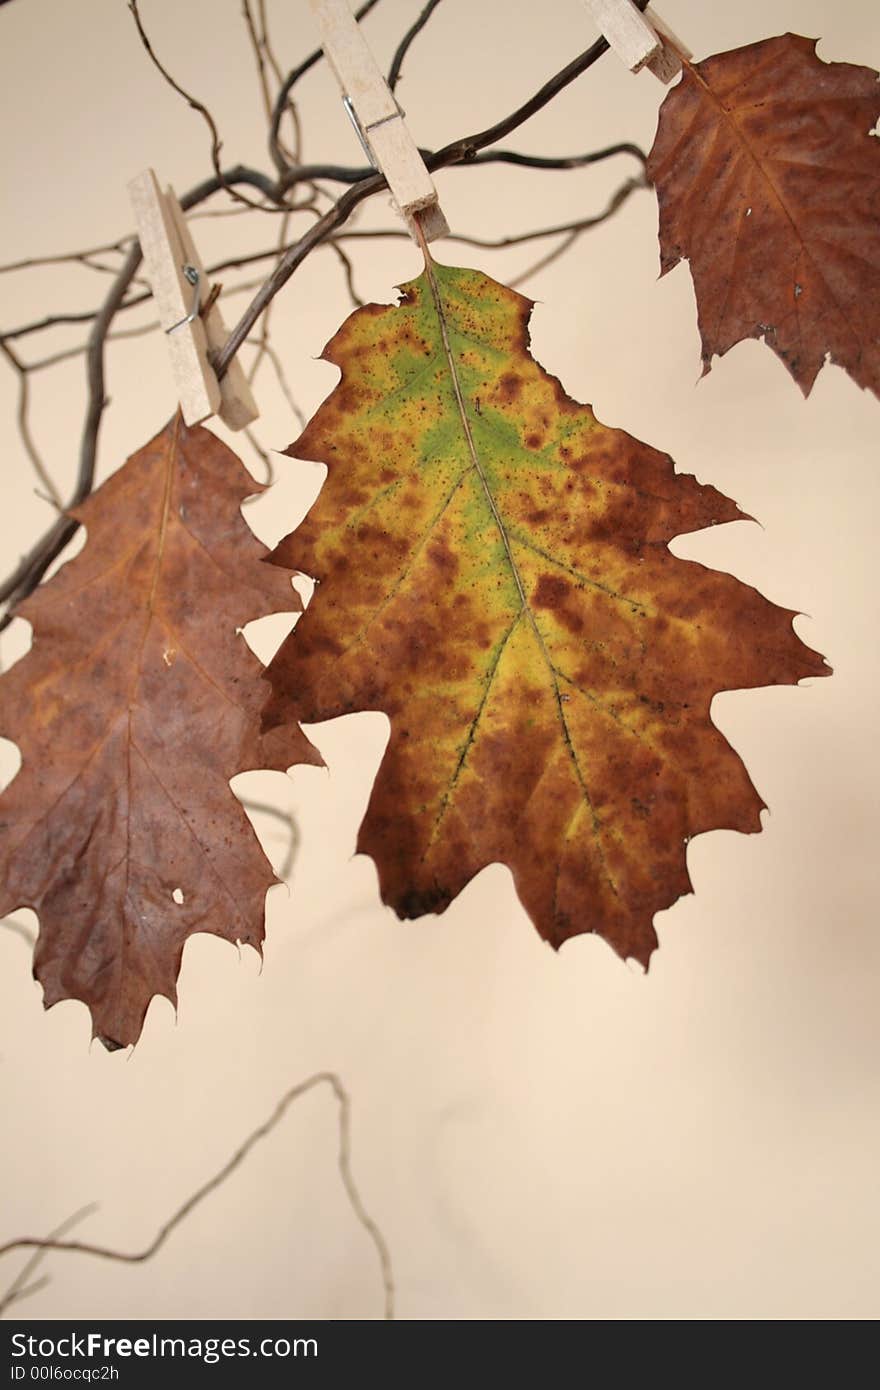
{"x": 463, "y": 238}
{"x": 259, "y": 55}
{"x": 216, "y": 142}
{"x": 570, "y": 161}
{"x": 20, "y": 1288}
{"x": 287, "y": 86}
{"x": 263, "y": 340}
{"x": 53, "y": 358}
{"x": 117, "y": 336}
{"x": 31, "y": 569}
{"x": 263, "y": 456}
{"x": 214, "y": 214}
{"x": 24, "y": 428}
{"x": 55, "y": 320}
{"x": 258, "y": 33}
{"x": 28, "y": 1289}
{"x": 570, "y": 232}
{"x": 326, "y": 1078}
{"x": 406, "y": 42}
{"x": 549, "y": 256}
{"x": 348, "y": 272}
{"x": 266, "y": 351}
{"x": 284, "y": 385}
{"x": 290, "y": 107}
{"x": 344, "y": 173}
{"x": 266, "y": 44}
{"x": 32, "y": 261}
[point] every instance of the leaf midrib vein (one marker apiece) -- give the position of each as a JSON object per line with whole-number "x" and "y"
{"x": 730, "y": 116}
{"x": 502, "y": 530}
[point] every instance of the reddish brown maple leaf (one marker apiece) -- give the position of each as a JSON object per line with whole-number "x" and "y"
{"x": 769, "y": 184}
{"x": 494, "y": 576}
{"x": 137, "y": 703}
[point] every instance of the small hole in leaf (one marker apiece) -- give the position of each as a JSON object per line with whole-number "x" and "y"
{"x": 177, "y": 895}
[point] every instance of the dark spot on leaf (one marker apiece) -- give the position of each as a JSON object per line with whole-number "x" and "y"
{"x": 551, "y": 591}
{"x": 509, "y": 388}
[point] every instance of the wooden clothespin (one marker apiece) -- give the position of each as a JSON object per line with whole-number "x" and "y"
{"x": 180, "y": 289}
{"x": 639, "y": 39}
{"x": 378, "y": 119}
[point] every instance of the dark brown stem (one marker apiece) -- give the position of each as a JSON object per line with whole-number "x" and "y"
{"x": 343, "y": 173}
{"x": 406, "y": 42}
{"x": 21, "y": 369}
{"x": 462, "y": 238}
{"x": 290, "y": 81}
{"x": 34, "y": 565}
{"x": 216, "y": 142}
{"x": 81, "y": 256}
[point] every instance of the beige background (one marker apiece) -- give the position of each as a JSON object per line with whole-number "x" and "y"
{"x": 538, "y": 1135}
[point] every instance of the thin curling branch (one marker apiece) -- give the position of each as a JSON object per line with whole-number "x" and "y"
{"x": 579, "y": 224}
{"x": 321, "y": 1078}
{"x": 34, "y": 565}
{"x": 571, "y": 161}
{"x": 343, "y": 173}
{"x": 216, "y": 142}
{"x": 259, "y": 55}
{"x": 20, "y": 1287}
{"x": 288, "y": 85}
{"x": 32, "y": 262}
{"x": 21, "y": 369}
{"x": 406, "y": 42}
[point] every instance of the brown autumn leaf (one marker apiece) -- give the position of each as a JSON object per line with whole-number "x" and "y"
{"x": 136, "y": 704}
{"x": 769, "y": 184}
{"x": 494, "y": 575}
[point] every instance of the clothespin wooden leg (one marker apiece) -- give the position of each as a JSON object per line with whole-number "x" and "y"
{"x": 378, "y": 118}
{"x": 667, "y": 65}
{"x": 639, "y": 39}
{"x": 180, "y": 289}
{"x": 237, "y": 405}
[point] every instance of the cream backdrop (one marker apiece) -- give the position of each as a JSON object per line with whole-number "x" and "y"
{"x": 539, "y": 1135}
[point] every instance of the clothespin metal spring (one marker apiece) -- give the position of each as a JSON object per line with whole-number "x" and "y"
{"x": 378, "y": 120}
{"x": 191, "y": 275}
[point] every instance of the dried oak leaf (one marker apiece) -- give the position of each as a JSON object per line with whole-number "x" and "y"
{"x": 769, "y": 184}
{"x": 494, "y": 575}
{"x": 136, "y": 704}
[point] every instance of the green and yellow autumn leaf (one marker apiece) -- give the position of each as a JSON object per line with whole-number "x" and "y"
{"x": 494, "y": 575}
